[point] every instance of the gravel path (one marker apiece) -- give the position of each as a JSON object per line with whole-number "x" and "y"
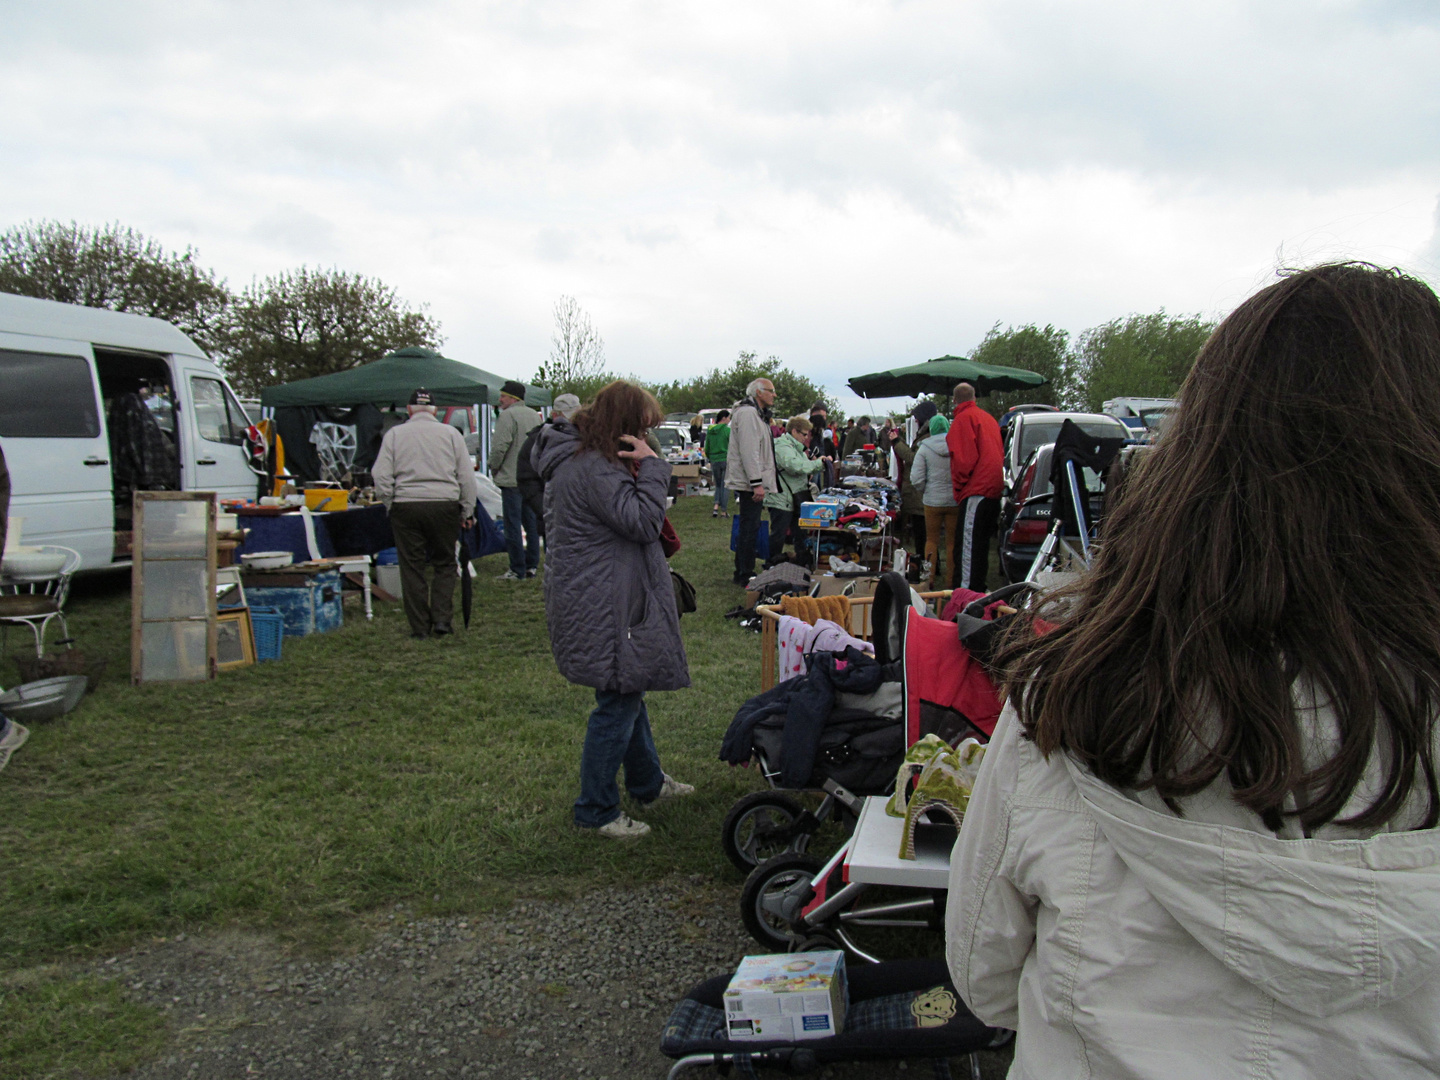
{"x": 547, "y": 990}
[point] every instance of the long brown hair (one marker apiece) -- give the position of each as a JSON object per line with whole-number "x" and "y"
{"x": 621, "y": 408}
{"x": 1286, "y": 527}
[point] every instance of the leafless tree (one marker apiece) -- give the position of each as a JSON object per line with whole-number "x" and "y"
{"x": 577, "y": 352}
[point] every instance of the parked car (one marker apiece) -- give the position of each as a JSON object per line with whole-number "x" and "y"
{"x": 1145, "y": 417}
{"x": 1032, "y": 430}
{"x": 1008, "y": 416}
{"x": 1026, "y": 518}
{"x": 85, "y": 394}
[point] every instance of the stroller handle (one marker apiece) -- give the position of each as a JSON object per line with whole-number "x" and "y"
{"x": 976, "y": 608}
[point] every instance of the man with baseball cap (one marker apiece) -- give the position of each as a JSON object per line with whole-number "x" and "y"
{"x": 515, "y": 422}
{"x": 424, "y": 477}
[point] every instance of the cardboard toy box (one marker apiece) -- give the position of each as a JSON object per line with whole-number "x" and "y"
{"x": 685, "y": 472}
{"x": 788, "y": 996}
{"x": 815, "y": 515}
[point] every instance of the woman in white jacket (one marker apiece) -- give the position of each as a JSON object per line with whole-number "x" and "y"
{"x": 1203, "y": 840}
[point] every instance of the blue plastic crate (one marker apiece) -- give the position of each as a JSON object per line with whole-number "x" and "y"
{"x": 269, "y": 626}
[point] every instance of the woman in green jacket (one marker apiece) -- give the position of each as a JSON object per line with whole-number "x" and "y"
{"x": 793, "y": 470}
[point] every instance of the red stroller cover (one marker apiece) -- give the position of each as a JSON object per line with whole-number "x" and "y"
{"x": 947, "y": 691}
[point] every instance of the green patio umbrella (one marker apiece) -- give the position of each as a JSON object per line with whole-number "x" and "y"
{"x": 939, "y": 376}
{"x": 389, "y": 381}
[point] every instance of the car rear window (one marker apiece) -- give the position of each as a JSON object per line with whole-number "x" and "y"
{"x": 47, "y": 396}
{"x": 1037, "y": 432}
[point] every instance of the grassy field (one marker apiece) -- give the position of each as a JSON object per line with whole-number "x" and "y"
{"x": 362, "y": 769}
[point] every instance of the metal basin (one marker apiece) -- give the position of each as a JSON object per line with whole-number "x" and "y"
{"x": 45, "y": 699}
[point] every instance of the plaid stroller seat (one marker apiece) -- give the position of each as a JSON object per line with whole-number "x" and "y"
{"x": 898, "y": 1009}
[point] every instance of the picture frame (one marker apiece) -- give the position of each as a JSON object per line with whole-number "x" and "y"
{"x": 234, "y": 639}
{"x": 229, "y": 588}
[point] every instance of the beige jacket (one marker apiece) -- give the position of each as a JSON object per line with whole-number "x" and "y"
{"x": 1122, "y": 941}
{"x": 423, "y": 460}
{"x": 511, "y": 427}
{"x": 752, "y": 450}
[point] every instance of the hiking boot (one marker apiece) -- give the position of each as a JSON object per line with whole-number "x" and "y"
{"x": 509, "y": 575}
{"x": 623, "y": 827}
{"x": 670, "y": 789}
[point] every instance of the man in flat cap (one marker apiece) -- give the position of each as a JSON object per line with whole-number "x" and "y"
{"x": 515, "y": 422}
{"x": 424, "y": 477}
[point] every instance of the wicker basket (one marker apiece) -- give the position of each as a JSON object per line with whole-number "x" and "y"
{"x": 69, "y": 662}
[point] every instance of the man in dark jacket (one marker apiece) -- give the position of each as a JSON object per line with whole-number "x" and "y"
{"x": 976, "y": 462}
{"x": 527, "y": 477}
{"x": 822, "y": 441}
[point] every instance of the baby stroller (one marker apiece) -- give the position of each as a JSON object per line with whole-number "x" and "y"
{"x": 852, "y": 720}
{"x": 792, "y": 900}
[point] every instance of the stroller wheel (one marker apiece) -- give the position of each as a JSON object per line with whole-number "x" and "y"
{"x": 755, "y": 828}
{"x": 774, "y": 895}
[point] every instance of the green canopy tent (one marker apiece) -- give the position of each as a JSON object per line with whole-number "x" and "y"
{"x": 390, "y": 380}
{"x": 939, "y": 376}
{"x": 354, "y": 398}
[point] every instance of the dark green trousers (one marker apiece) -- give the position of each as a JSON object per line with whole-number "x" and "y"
{"x": 425, "y": 534}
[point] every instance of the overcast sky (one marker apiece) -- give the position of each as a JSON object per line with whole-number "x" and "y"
{"x": 847, "y": 185}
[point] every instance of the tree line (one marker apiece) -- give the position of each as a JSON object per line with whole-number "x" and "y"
{"x": 304, "y": 322}
{"x": 1131, "y": 356}
{"x": 293, "y": 325}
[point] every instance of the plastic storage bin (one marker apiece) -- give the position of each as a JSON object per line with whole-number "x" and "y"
{"x": 269, "y": 627}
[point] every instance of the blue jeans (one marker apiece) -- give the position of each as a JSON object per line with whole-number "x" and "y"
{"x": 722, "y": 495}
{"x": 524, "y": 552}
{"x": 618, "y": 734}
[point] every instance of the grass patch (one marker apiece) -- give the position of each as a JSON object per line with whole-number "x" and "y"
{"x": 361, "y": 770}
{"x": 53, "y": 1026}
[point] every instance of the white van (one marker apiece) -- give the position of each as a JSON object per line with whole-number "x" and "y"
{"x": 84, "y": 394}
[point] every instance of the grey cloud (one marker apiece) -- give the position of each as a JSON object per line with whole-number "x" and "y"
{"x": 297, "y": 231}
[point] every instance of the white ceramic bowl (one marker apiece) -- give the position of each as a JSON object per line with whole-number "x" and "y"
{"x": 268, "y": 560}
{"x": 33, "y": 562}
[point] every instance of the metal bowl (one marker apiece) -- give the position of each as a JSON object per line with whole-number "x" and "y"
{"x": 45, "y": 699}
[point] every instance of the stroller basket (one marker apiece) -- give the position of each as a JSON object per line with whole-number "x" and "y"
{"x": 898, "y": 1009}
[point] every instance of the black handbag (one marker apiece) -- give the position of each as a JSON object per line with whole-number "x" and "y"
{"x": 684, "y": 592}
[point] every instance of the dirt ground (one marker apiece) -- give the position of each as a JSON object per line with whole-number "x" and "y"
{"x": 546, "y": 990}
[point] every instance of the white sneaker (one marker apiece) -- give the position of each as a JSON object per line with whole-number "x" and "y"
{"x": 623, "y": 827}
{"x": 509, "y": 575}
{"x": 671, "y": 789}
{"x": 12, "y": 737}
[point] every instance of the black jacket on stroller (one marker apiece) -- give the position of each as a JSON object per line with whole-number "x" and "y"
{"x": 840, "y": 721}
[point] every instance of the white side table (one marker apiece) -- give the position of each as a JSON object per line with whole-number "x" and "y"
{"x": 350, "y": 565}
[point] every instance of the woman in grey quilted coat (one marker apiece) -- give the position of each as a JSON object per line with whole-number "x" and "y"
{"x": 609, "y": 601}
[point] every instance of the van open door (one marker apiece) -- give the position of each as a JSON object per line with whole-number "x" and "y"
{"x": 55, "y": 445}
{"x": 214, "y": 454}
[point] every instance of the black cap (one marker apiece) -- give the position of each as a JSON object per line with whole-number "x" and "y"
{"x": 514, "y": 389}
{"x": 923, "y": 412}
{"x": 422, "y": 397}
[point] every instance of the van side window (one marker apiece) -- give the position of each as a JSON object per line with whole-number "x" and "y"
{"x": 46, "y": 396}
{"x": 217, "y": 414}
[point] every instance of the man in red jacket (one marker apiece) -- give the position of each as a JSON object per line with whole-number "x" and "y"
{"x": 976, "y": 455}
